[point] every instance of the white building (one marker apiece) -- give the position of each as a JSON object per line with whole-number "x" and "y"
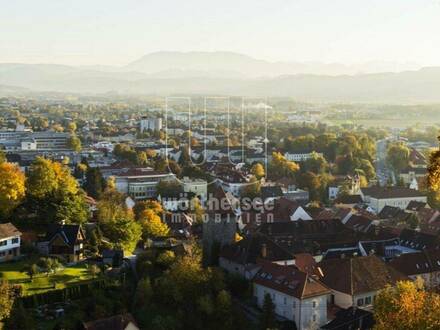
{"x": 139, "y": 183}
{"x": 300, "y": 157}
{"x": 297, "y": 296}
{"x": 198, "y": 187}
{"x": 356, "y": 281}
{"x": 378, "y": 197}
{"x": 9, "y": 242}
{"x": 150, "y": 124}
{"x": 26, "y": 140}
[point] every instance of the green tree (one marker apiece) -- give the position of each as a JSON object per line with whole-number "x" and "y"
{"x": 46, "y": 265}
{"x": 94, "y": 270}
{"x": 316, "y": 164}
{"x": 6, "y": 299}
{"x": 144, "y": 293}
{"x": 95, "y": 183}
{"x": 398, "y": 156}
{"x": 31, "y": 271}
{"x": 169, "y": 189}
{"x": 19, "y": 318}
{"x": 72, "y": 209}
{"x": 166, "y": 258}
{"x": 267, "y": 317}
{"x": 47, "y": 178}
{"x": 124, "y": 233}
{"x": 74, "y": 143}
{"x": 197, "y": 209}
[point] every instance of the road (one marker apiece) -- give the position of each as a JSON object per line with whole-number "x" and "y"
{"x": 382, "y": 171}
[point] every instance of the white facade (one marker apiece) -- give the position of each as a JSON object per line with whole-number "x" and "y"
{"x": 9, "y": 248}
{"x": 344, "y": 300}
{"x": 378, "y": 204}
{"x": 141, "y": 186}
{"x": 308, "y": 314}
{"x": 299, "y": 157}
{"x": 198, "y": 187}
{"x": 150, "y": 124}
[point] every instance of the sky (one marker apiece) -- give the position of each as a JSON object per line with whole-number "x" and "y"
{"x": 116, "y": 32}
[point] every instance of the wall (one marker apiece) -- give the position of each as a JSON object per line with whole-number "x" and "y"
{"x": 308, "y": 313}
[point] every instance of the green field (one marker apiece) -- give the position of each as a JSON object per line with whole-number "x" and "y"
{"x": 12, "y": 272}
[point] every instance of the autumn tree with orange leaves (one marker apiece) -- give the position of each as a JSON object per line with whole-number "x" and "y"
{"x": 433, "y": 178}
{"x": 407, "y": 307}
{"x": 12, "y": 188}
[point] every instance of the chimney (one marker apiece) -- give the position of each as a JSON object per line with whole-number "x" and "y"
{"x": 263, "y": 250}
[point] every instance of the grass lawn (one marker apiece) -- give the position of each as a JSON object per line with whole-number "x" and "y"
{"x": 12, "y": 272}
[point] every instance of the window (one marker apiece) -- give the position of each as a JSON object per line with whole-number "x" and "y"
{"x": 285, "y": 300}
{"x": 367, "y": 300}
{"x": 3, "y": 243}
{"x": 15, "y": 240}
{"x": 314, "y": 318}
{"x": 360, "y": 301}
{"x": 314, "y": 304}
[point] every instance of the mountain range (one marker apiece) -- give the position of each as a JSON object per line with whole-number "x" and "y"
{"x": 226, "y": 73}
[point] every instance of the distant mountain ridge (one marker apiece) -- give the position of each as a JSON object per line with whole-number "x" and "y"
{"x": 246, "y": 66}
{"x": 228, "y": 74}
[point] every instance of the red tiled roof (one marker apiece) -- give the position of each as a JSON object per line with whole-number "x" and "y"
{"x": 358, "y": 274}
{"x": 290, "y": 280}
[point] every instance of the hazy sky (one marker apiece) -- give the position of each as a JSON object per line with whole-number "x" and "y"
{"x": 119, "y": 31}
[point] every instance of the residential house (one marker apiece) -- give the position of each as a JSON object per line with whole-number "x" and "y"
{"x": 66, "y": 241}
{"x": 417, "y": 240}
{"x": 9, "y": 242}
{"x": 311, "y": 236}
{"x": 356, "y": 281}
{"x": 297, "y": 296}
{"x": 424, "y": 265}
{"x": 415, "y": 206}
{"x": 359, "y": 223}
{"x": 241, "y": 258}
{"x": 274, "y": 210}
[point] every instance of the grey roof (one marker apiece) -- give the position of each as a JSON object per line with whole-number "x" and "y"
{"x": 390, "y": 192}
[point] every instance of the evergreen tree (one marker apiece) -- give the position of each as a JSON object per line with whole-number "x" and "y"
{"x": 95, "y": 183}
{"x": 267, "y": 317}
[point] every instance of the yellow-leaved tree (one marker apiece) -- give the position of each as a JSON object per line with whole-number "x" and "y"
{"x": 152, "y": 225}
{"x": 12, "y": 188}
{"x": 258, "y": 171}
{"x": 433, "y": 178}
{"x": 407, "y": 306}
